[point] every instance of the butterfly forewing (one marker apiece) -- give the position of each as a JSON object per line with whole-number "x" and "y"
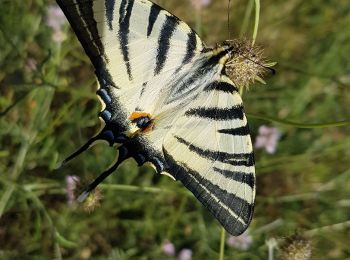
{"x": 126, "y": 35}
{"x": 147, "y": 60}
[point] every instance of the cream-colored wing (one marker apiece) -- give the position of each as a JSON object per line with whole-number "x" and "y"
{"x": 136, "y": 48}
{"x": 209, "y": 150}
{"x": 131, "y": 41}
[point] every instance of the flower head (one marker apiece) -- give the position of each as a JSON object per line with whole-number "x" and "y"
{"x": 242, "y": 242}
{"x": 93, "y": 200}
{"x": 168, "y": 248}
{"x": 72, "y": 182}
{"x": 55, "y": 19}
{"x": 267, "y": 138}
{"x": 199, "y": 4}
{"x": 296, "y": 247}
{"x": 246, "y": 65}
{"x": 185, "y": 254}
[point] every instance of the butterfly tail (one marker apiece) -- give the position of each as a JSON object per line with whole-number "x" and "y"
{"x": 104, "y": 135}
{"x": 123, "y": 155}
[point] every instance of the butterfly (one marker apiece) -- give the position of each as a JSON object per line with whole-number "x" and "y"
{"x": 168, "y": 100}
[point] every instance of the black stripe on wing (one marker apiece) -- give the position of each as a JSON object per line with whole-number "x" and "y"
{"x": 155, "y": 10}
{"x": 191, "y": 47}
{"x": 184, "y": 86}
{"x": 236, "y": 159}
{"x": 218, "y": 201}
{"x": 168, "y": 29}
{"x": 247, "y": 178}
{"x": 110, "y": 13}
{"x": 207, "y": 67}
{"x": 215, "y": 113}
{"x": 125, "y": 11}
{"x": 221, "y": 86}
{"x": 240, "y": 131}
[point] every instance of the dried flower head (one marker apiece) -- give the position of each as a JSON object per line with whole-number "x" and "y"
{"x": 246, "y": 64}
{"x": 296, "y": 247}
{"x": 93, "y": 200}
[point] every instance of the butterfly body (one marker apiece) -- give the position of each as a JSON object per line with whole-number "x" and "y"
{"x": 168, "y": 100}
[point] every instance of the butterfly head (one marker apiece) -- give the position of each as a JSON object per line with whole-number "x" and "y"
{"x": 245, "y": 63}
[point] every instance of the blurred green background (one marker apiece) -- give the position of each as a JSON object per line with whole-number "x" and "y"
{"x": 48, "y": 108}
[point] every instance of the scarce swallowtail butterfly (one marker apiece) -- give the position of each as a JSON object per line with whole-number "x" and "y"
{"x": 168, "y": 100}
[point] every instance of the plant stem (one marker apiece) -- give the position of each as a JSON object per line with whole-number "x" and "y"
{"x": 330, "y": 228}
{"x": 299, "y": 125}
{"x": 247, "y": 15}
{"x": 222, "y": 244}
{"x": 198, "y": 22}
{"x": 256, "y": 22}
{"x": 14, "y": 175}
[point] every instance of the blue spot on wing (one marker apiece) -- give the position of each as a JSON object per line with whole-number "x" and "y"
{"x": 108, "y": 136}
{"x": 104, "y": 96}
{"x": 106, "y": 115}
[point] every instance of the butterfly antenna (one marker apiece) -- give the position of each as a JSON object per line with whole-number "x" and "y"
{"x": 228, "y": 19}
{"x": 123, "y": 155}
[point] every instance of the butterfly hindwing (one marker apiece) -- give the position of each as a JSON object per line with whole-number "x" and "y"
{"x": 209, "y": 150}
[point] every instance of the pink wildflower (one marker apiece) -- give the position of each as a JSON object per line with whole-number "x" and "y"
{"x": 71, "y": 185}
{"x": 267, "y": 138}
{"x": 199, "y": 4}
{"x": 55, "y": 19}
{"x": 185, "y": 254}
{"x": 168, "y": 248}
{"x": 242, "y": 242}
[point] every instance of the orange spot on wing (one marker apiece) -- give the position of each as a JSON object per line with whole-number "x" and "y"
{"x": 136, "y": 115}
